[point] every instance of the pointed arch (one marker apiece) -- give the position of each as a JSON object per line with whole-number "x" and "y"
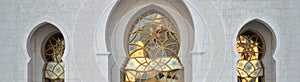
{"x": 261, "y": 49}
{"x": 37, "y": 42}
{"x": 119, "y": 21}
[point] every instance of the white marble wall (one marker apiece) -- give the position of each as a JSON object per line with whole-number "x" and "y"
{"x": 83, "y": 24}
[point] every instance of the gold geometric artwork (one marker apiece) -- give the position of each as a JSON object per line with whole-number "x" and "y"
{"x": 251, "y": 51}
{"x": 53, "y": 52}
{"x": 153, "y": 46}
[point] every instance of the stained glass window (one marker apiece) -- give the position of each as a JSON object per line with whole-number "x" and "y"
{"x": 251, "y": 50}
{"x": 53, "y": 52}
{"x": 153, "y": 46}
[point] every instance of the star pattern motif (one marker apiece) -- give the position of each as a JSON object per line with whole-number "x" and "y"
{"x": 53, "y": 51}
{"x": 153, "y": 49}
{"x": 250, "y": 48}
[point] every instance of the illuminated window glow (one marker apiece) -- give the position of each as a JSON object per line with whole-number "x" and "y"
{"x": 251, "y": 50}
{"x": 153, "y": 46}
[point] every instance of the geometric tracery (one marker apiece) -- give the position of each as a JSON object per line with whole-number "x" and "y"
{"x": 153, "y": 46}
{"x": 53, "y": 52}
{"x": 251, "y": 50}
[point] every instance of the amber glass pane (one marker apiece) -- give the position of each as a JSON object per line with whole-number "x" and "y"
{"x": 53, "y": 52}
{"x": 251, "y": 50}
{"x": 153, "y": 46}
